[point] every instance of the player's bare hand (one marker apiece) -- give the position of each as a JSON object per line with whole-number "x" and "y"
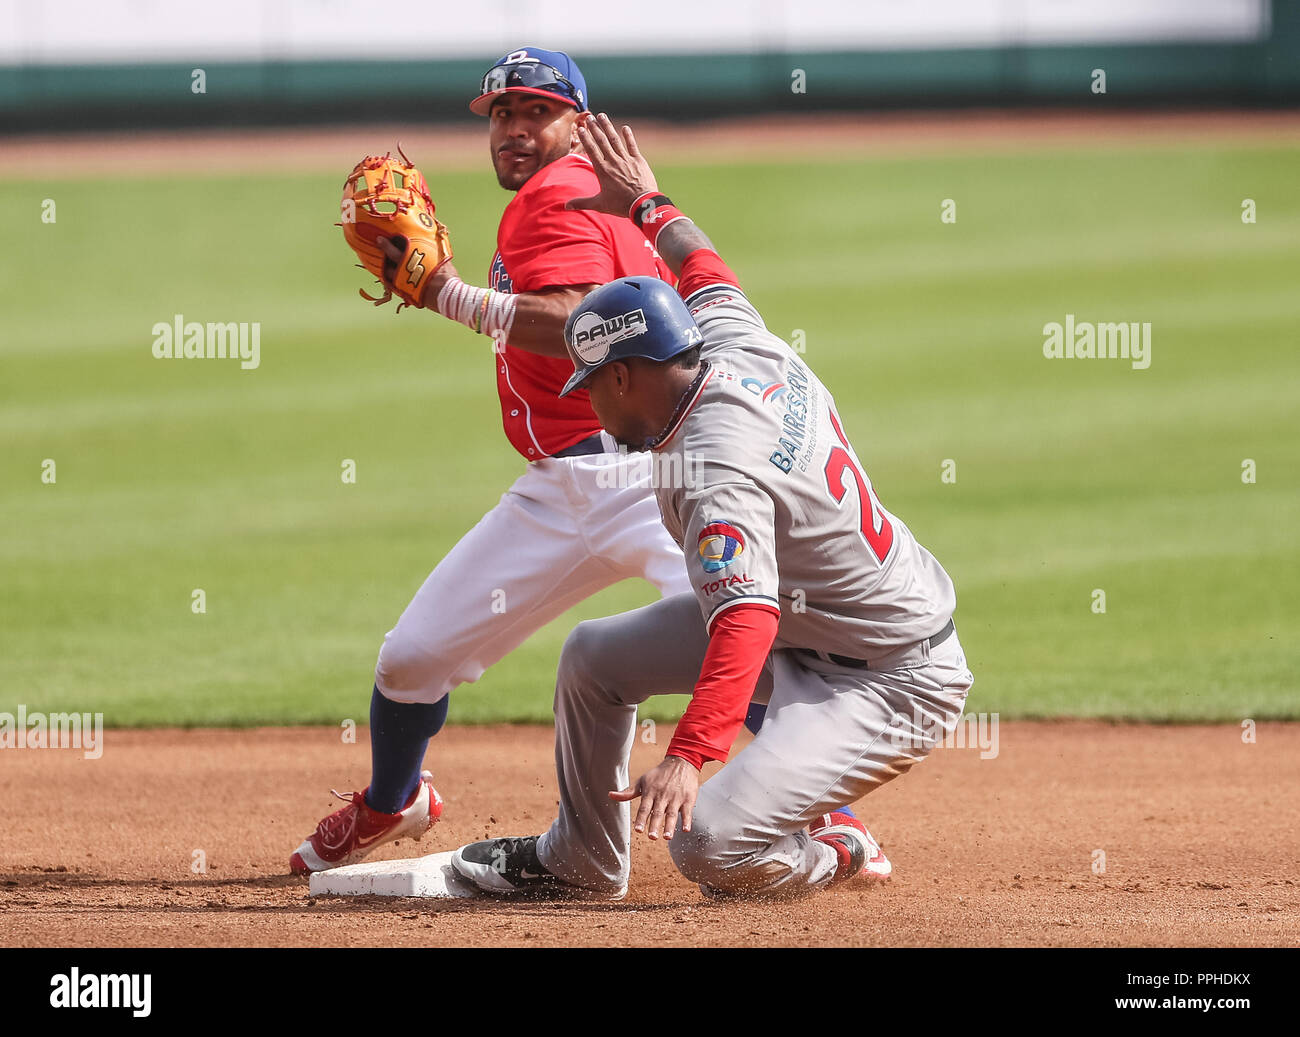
{"x": 622, "y": 170}
{"x": 431, "y": 290}
{"x": 666, "y": 792}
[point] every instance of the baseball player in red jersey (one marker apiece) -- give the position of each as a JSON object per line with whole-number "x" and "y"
{"x": 580, "y": 518}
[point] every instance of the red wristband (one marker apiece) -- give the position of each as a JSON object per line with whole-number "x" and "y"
{"x": 652, "y": 212}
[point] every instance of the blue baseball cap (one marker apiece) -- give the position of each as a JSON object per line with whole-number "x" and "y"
{"x": 633, "y": 316}
{"x": 530, "y": 70}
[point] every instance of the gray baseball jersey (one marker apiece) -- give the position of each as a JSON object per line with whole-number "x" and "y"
{"x": 773, "y": 507}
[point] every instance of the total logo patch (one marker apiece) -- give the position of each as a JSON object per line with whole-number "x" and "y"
{"x": 593, "y": 335}
{"x": 711, "y": 588}
{"x": 720, "y": 544}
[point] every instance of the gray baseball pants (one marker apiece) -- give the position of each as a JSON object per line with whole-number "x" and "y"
{"x": 832, "y": 734}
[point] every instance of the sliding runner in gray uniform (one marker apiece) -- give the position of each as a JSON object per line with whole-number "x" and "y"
{"x": 808, "y": 595}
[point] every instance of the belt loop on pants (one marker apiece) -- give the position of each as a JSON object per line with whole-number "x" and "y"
{"x": 866, "y": 664}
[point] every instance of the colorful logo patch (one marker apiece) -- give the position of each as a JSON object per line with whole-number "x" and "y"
{"x": 720, "y": 544}
{"x": 764, "y": 390}
{"x": 498, "y": 279}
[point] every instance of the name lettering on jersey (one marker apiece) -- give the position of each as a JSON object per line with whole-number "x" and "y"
{"x": 795, "y": 444}
{"x": 711, "y": 588}
{"x": 593, "y": 335}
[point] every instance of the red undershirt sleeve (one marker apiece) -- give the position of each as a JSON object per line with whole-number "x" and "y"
{"x": 739, "y": 645}
{"x": 702, "y": 268}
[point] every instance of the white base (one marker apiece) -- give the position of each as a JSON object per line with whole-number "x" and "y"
{"x": 431, "y": 876}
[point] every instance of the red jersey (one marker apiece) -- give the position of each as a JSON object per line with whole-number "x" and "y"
{"x": 541, "y": 244}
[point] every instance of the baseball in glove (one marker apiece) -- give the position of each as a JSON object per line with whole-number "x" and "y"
{"x": 387, "y": 197}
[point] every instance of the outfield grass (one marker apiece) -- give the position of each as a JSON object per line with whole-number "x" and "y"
{"x": 1071, "y": 475}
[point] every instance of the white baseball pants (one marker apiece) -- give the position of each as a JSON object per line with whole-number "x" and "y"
{"x": 566, "y": 529}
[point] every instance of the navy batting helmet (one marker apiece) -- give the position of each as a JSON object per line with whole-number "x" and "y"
{"x": 634, "y": 316}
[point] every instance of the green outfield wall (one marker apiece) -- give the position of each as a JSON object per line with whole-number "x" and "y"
{"x": 1262, "y": 72}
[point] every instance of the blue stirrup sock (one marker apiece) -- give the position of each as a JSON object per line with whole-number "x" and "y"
{"x": 399, "y": 736}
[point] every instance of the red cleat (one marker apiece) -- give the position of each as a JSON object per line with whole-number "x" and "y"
{"x": 858, "y": 852}
{"x": 348, "y": 835}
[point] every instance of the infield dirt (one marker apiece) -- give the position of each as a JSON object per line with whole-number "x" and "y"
{"x": 1197, "y": 828}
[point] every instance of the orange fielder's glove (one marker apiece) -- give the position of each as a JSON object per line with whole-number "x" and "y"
{"x": 387, "y": 197}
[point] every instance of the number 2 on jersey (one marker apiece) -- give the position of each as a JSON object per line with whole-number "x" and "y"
{"x": 876, "y": 529}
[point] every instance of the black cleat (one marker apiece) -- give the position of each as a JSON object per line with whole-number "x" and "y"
{"x": 509, "y": 867}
